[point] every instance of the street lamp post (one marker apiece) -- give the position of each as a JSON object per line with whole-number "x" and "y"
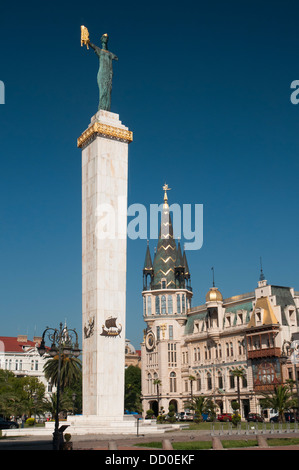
{"x": 74, "y": 396}
{"x": 63, "y": 341}
{"x": 34, "y": 396}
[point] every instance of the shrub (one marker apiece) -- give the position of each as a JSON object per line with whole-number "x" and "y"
{"x": 236, "y": 418}
{"x": 30, "y": 421}
{"x": 162, "y": 417}
{"x": 198, "y": 418}
{"x": 171, "y": 414}
{"x": 150, "y": 413}
{"x": 235, "y": 405}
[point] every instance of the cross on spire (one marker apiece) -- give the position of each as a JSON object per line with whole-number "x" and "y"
{"x": 213, "y": 276}
{"x": 165, "y": 189}
{"x": 262, "y": 276}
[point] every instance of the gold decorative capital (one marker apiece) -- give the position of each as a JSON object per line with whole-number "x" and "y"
{"x": 104, "y": 130}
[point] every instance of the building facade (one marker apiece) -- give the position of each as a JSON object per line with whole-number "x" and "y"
{"x": 20, "y": 356}
{"x": 132, "y": 356}
{"x": 190, "y": 351}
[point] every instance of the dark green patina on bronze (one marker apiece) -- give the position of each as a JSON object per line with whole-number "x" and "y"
{"x": 105, "y": 72}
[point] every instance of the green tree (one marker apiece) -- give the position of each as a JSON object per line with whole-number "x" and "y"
{"x": 33, "y": 396}
{"x": 9, "y": 397}
{"x": 65, "y": 404}
{"x": 158, "y": 382}
{"x": 236, "y": 418}
{"x": 240, "y": 374}
{"x": 70, "y": 372}
{"x": 20, "y": 395}
{"x": 171, "y": 414}
{"x": 211, "y": 408}
{"x": 133, "y": 389}
{"x": 281, "y": 400}
{"x": 74, "y": 397}
{"x": 199, "y": 404}
{"x": 191, "y": 378}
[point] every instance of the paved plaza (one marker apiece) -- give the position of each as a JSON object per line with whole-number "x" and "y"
{"x": 130, "y": 442}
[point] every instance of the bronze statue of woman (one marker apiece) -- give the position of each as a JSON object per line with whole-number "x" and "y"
{"x": 105, "y": 72}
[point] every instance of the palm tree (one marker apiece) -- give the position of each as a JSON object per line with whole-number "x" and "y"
{"x": 280, "y": 400}
{"x": 191, "y": 378}
{"x": 158, "y": 383}
{"x": 239, "y": 373}
{"x": 70, "y": 373}
{"x": 65, "y": 404}
{"x": 199, "y": 404}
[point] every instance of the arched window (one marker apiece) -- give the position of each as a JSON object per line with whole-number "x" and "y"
{"x": 220, "y": 380}
{"x": 149, "y": 384}
{"x": 170, "y": 309}
{"x": 198, "y": 354}
{"x": 198, "y": 382}
{"x": 149, "y": 305}
{"x": 163, "y": 305}
{"x": 266, "y": 373}
{"x": 157, "y": 305}
{"x": 231, "y": 380}
{"x": 183, "y": 303}
{"x": 155, "y": 385}
{"x": 209, "y": 381}
{"x": 172, "y": 382}
{"x": 158, "y": 333}
{"x": 178, "y": 303}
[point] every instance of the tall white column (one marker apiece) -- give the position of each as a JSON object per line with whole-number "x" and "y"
{"x": 104, "y": 217}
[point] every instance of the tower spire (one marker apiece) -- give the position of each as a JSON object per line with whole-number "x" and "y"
{"x": 165, "y": 257}
{"x": 147, "y": 268}
{"x": 165, "y": 189}
{"x": 148, "y": 260}
{"x": 212, "y": 268}
{"x": 262, "y": 276}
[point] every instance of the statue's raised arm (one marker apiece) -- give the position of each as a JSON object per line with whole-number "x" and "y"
{"x": 105, "y": 72}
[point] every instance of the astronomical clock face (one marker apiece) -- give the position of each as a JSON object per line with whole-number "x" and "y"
{"x": 150, "y": 341}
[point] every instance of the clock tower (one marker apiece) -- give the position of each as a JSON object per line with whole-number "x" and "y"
{"x": 167, "y": 295}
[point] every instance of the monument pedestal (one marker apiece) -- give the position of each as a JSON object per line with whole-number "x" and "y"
{"x": 83, "y": 425}
{"x": 104, "y": 147}
{"x": 101, "y": 425}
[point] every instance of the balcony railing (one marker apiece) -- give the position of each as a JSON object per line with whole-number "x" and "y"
{"x": 264, "y": 352}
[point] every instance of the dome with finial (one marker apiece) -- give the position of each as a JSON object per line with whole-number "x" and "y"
{"x": 214, "y": 295}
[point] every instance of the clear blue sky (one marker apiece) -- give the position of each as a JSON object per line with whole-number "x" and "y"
{"x": 204, "y": 86}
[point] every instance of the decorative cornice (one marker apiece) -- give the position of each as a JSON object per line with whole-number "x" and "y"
{"x": 104, "y": 130}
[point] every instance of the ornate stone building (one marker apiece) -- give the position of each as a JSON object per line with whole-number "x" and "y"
{"x": 20, "y": 356}
{"x": 190, "y": 351}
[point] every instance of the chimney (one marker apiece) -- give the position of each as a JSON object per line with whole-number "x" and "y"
{"x": 22, "y": 338}
{"x": 37, "y": 339}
